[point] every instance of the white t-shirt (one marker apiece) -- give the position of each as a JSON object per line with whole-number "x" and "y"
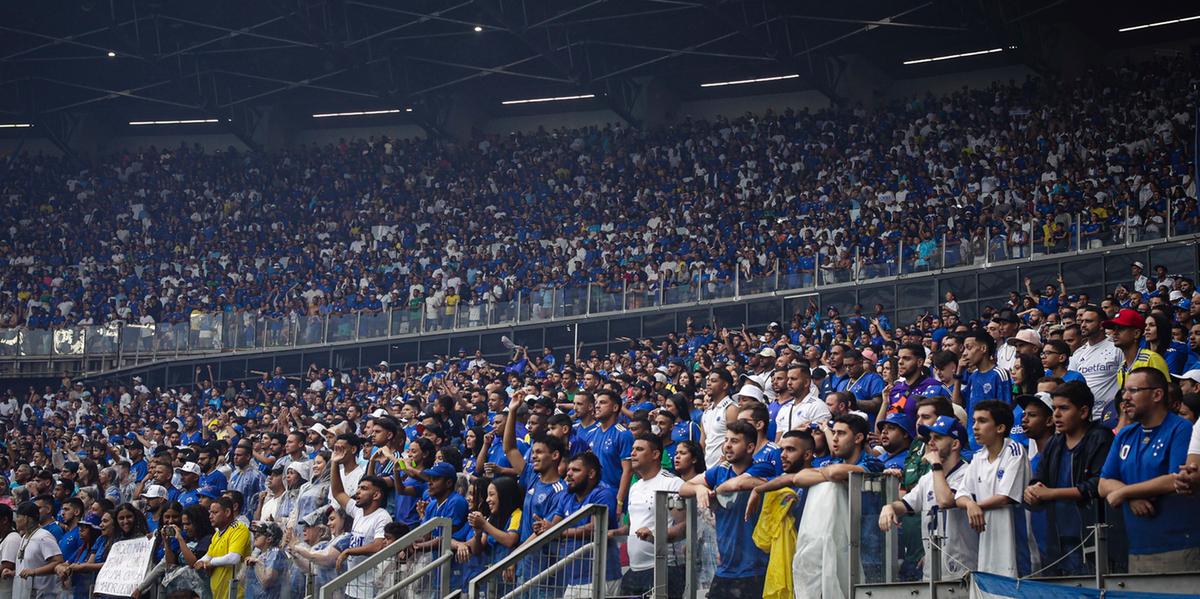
{"x": 35, "y": 552}
{"x": 1099, "y": 365}
{"x": 713, "y": 423}
{"x": 961, "y": 541}
{"x": 1008, "y": 475}
{"x": 641, "y": 515}
{"x": 366, "y": 529}
{"x": 1194, "y": 445}
{"x": 809, "y": 409}
{"x": 350, "y": 481}
{"x": 8, "y": 553}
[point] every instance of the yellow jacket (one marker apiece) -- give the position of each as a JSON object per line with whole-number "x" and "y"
{"x": 775, "y": 534}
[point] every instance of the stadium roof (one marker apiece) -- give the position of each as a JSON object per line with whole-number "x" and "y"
{"x": 224, "y": 60}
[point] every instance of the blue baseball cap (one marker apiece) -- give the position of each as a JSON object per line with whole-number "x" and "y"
{"x": 947, "y": 426}
{"x": 92, "y": 520}
{"x": 209, "y": 492}
{"x": 898, "y": 419}
{"x": 440, "y": 470}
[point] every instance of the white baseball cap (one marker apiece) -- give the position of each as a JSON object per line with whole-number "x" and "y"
{"x": 190, "y": 468}
{"x": 154, "y": 491}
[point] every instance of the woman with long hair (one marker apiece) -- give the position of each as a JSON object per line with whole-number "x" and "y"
{"x": 471, "y": 444}
{"x": 685, "y": 428}
{"x": 689, "y": 460}
{"x": 1157, "y": 338}
{"x": 81, "y": 581}
{"x": 85, "y": 571}
{"x": 131, "y": 523}
{"x": 1026, "y": 371}
{"x": 496, "y": 525}
{"x": 324, "y": 553}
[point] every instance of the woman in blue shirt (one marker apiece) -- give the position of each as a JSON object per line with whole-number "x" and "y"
{"x": 497, "y": 531}
{"x": 323, "y": 555}
{"x": 685, "y": 428}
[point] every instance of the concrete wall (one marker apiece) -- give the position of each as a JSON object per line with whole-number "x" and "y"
{"x": 32, "y": 146}
{"x": 737, "y": 106}
{"x": 504, "y": 125}
{"x": 943, "y": 84}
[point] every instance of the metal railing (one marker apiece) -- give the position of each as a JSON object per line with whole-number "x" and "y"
{"x": 491, "y": 584}
{"x": 248, "y": 331}
{"x": 407, "y": 568}
{"x": 664, "y": 549}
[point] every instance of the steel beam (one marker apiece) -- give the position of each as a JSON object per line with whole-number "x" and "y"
{"x": 876, "y": 23}
{"x": 63, "y": 40}
{"x": 417, "y": 21}
{"x": 128, "y": 93}
{"x": 862, "y": 29}
{"x": 68, "y": 39}
{"x": 294, "y": 84}
{"x": 245, "y": 31}
{"x": 220, "y": 38}
{"x": 493, "y": 70}
{"x": 673, "y": 51}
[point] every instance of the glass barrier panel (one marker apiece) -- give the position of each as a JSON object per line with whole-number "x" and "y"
{"x": 997, "y": 245}
{"x": 136, "y": 338}
{"x": 503, "y": 311}
{"x": 206, "y": 333}
{"x": 956, "y": 251}
{"x": 100, "y": 339}
{"x": 796, "y": 273}
{"x": 37, "y": 342}
{"x": 877, "y": 550}
{"x": 1107, "y": 229}
{"x": 245, "y": 331}
{"x": 170, "y": 337}
{"x": 310, "y": 330}
{"x": 341, "y": 328}
{"x": 541, "y": 303}
{"x": 679, "y": 291}
{"x": 471, "y": 315}
{"x": 604, "y": 298}
{"x": 1058, "y": 234}
{"x": 718, "y": 288}
{"x": 1007, "y": 546}
{"x": 68, "y": 342}
{"x": 570, "y": 301}
{"x": 230, "y": 323}
{"x": 757, "y": 282}
{"x": 276, "y": 332}
{"x": 10, "y": 342}
{"x": 372, "y": 325}
{"x": 640, "y": 294}
{"x": 406, "y": 321}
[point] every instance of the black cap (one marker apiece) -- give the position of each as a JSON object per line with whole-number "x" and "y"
{"x": 1006, "y": 315}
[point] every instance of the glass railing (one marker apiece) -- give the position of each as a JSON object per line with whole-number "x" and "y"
{"x": 1046, "y": 237}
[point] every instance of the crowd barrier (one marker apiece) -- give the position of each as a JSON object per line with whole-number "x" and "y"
{"x": 249, "y": 330}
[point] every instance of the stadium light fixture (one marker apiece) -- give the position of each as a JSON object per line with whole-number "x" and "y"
{"x": 112, "y": 54}
{"x": 325, "y": 115}
{"x": 178, "y": 122}
{"x": 15, "y": 125}
{"x": 1158, "y": 24}
{"x": 960, "y": 55}
{"x": 478, "y": 29}
{"x": 553, "y": 99}
{"x": 745, "y": 81}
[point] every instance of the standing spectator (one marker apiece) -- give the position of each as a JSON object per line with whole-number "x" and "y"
{"x": 914, "y": 383}
{"x": 1065, "y": 480}
{"x": 1137, "y": 476}
{"x": 1098, "y": 360}
{"x": 10, "y": 543}
{"x": 584, "y": 487}
{"x": 992, "y": 492}
{"x": 370, "y": 518}
{"x": 652, "y": 477}
{"x": 935, "y": 491}
{"x": 742, "y": 564}
{"x": 247, "y": 479}
{"x": 719, "y": 411}
{"x": 806, "y": 405}
{"x": 1125, "y": 331}
{"x": 230, "y": 544}
{"x": 32, "y": 564}
{"x": 540, "y": 479}
{"x": 986, "y": 379}
{"x": 612, "y": 443}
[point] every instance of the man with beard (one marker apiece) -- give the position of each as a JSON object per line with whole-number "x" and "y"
{"x": 914, "y": 382}
{"x": 540, "y": 479}
{"x": 370, "y": 518}
{"x": 1097, "y": 359}
{"x": 646, "y": 459}
{"x": 583, "y": 488}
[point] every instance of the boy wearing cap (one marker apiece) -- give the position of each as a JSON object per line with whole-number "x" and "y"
{"x": 992, "y": 491}
{"x": 895, "y": 437}
{"x": 189, "y": 478}
{"x": 935, "y": 491}
{"x": 1064, "y": 487}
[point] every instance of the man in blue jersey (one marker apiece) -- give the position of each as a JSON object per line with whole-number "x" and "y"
{"x": 585, "y": 415}
{"x": 986, "y": 381}
{"x": 726, "y": 488}
{"x": 866, "y": 386}
{"x": 539, "y": 477}
{"x": 612, "y": 443}
{"x": 1163, "y": 530}
{"x": 756, "y": 414}
{"x": 584, "y": 487}
{"x": 895, "y": 436}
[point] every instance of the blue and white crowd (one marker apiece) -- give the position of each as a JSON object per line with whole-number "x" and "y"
{"x": 1022, "y": 428}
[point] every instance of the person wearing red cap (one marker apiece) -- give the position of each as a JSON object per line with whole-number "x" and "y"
{"x": 1125, "y": 331}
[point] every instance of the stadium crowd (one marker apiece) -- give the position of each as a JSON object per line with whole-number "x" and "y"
{"x": 158, "y": 235}
{"x": 1028, "y": 429}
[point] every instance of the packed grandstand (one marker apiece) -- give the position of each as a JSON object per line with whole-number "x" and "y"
{"x": 1031, "y": 421}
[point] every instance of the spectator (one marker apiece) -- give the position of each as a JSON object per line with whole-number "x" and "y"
{"x": 1098, "y": 360}
{"x": 1056, "y": 355}
{"x": 370, "y": 517}
{"x": 719, "y": 410}
{"x": 936, "y": 490}
{"x": 742, "y": 564}
{"x": 806, "y": 405}
{"x": 1137, "y": 476}
{"x": 585, "y": 487}
{"x": 612, "y": 444}
{"x": 31, "y": 567}
{"x": 914, "y": 383}
{"x": 230, "y": 545}
{"x": 646, "y": 462}
{"x": 993, "y": 490}
{"x": 1125, "y": 331}
{"x": 986, "y": 380}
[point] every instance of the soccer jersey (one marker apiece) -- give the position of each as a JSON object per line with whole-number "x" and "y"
{"x": 641, "y": 515}
{"x": 1006, "y": 546}
{"x": 991, "y": 384}
{"x": 612, "y": 447}
{"x": 234, "y": 539}
{"x": 568, "y": 504}
{"x": 739, "y": 556}
{"x": 771, "y": 455}
{"x": 1098, "y": 363}
{"x": 367, "y": 528}
{"x": 713, "y": 423}
{"x": 1139, "y": 454}
{"x": 961, "y": 542}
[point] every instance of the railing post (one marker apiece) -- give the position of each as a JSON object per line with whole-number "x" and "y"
{"x": 444, "y": 538}
{"x": 391, "y": 316}
{"x": 817, "y": 268}
{"x": 660, "y": 544}
{"x": 987, "y": 246}
{"x": 934, "y": 557}
{"x": 357, "y": 325}
{"x": 776, "y": 287}
{"x": 737, "y": 282}
{"x": 325, "y": 327}
{"x": 662, "y": 290}
{"x": 692, "y": 538}
{"x": 854, "y": 526}
{"x": 624, "y": 294}
{"x": 599, "y": 550}
{"x": 421, "y": 317}
{"x": 900, "y": 255}
{"x": 518, "y": 317}
{"x": 588, "y": 309}
{"x": 857, "y": 264}
{"x": 1078, "y": 233}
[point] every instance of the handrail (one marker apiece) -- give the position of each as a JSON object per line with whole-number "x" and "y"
{"x": 497, "y": 315}
{"x": 598, "y": 545}
{"x": 443, "y": 526}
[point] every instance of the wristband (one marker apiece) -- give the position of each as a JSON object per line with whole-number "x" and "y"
{"x": 935, "y": 467}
